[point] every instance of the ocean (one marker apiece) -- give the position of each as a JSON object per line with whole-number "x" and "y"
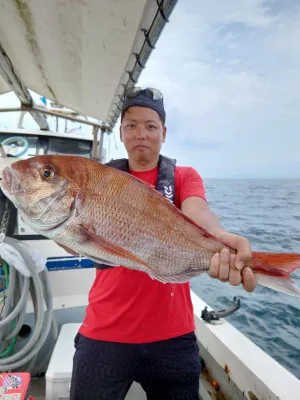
{"x": 267, "y": 212}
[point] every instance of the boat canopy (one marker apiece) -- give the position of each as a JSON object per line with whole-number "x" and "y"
{"x": 80, "y": 54}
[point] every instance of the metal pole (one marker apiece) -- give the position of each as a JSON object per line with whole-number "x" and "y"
{"x": 101, "y": 145}
{"x": 60, "y": 115}
{"x": 2, "y": 151}
{"x": 9, "y": 75}
{"x": 53, "y": 113}
{"x": 95, "y": 141}
{"x": 20, "y": 124}
{"x": 11, "y": 109}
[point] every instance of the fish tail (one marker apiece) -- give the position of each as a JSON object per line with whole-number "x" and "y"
{"x": 273, "y": 269}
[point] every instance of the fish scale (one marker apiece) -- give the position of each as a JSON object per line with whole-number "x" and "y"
{"x": 112, "y": 217}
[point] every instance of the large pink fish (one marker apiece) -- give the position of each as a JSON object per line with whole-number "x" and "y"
{"x": 110, "y": 216}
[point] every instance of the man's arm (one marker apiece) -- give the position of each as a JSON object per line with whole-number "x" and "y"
{"x": 223, "y": 266}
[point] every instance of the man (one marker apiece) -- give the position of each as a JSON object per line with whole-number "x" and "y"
{"x": 136, "y": 328}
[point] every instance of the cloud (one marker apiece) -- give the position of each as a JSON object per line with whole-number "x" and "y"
{"x": 229, "y": 74}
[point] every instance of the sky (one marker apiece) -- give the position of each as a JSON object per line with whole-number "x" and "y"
{"x": 229, "y": 72}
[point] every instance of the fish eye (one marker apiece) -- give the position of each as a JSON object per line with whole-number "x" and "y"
{"x": 47, "y": 174}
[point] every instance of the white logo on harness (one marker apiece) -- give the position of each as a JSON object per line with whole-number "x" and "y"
{"x": 168, "y": 192}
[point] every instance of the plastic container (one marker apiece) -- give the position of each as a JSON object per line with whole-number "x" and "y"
{"x": 15, "y": 385}
{"x": 59, "y": 371}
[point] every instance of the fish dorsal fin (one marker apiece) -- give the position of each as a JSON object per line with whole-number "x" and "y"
{"x": 105, "y": 246}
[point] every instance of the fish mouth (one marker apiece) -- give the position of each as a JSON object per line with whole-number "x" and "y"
{"x": 10, "y": 183}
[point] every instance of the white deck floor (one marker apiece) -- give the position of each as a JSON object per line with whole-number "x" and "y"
{"x": 39, "y": 389}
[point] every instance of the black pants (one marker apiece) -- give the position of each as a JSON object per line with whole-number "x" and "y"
{"x": 167, "y": 370}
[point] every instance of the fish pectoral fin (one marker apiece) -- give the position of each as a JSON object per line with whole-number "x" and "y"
{"x": 97, "y": 260}
{"x": 112, "y": 249}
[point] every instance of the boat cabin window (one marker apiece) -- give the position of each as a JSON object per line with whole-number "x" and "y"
{"x": 23, "y": 146}
{"x": 71, "y": 147}
{"x": 19, "y": 146}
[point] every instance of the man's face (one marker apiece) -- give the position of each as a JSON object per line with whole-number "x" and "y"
{"x": 142, "y": 133}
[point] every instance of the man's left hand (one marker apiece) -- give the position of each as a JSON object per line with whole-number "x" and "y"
{"x": 230, "y": 267}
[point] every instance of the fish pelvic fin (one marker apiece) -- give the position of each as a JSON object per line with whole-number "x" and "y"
{"x": 272, "y": 270}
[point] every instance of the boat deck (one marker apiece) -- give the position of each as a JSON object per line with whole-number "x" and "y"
{"x": 39, "y": 390}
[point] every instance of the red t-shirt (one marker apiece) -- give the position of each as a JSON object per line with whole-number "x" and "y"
{"x": 128, "y": 306}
